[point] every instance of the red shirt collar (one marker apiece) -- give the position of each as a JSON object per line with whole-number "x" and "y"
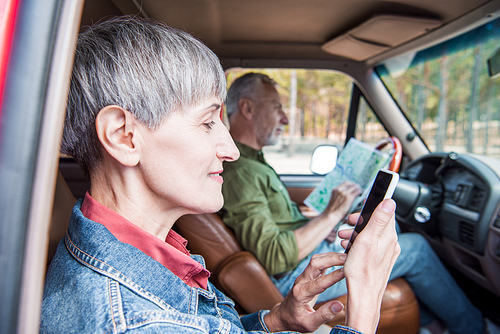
{"x": 172, "y": 253}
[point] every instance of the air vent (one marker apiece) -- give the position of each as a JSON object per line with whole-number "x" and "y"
{"x": 477, "y": 199}
{"x": 466, "y": 233}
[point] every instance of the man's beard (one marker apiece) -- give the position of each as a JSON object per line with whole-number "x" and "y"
{"x": 274, "y": 137}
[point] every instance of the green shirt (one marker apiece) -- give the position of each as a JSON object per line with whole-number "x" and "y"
{"x": 258, "y": 208}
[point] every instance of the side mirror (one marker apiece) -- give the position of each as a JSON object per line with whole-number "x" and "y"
{"x": 324, "y": 159}
{"x": 494, "y": 64}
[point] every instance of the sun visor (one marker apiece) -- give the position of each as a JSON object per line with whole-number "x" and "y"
{"x": 377, "y": 35}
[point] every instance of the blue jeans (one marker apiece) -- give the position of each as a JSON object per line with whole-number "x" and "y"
{"x": 437, "y": 292}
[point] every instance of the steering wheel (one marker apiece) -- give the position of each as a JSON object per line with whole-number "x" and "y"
{"x": 398, "y": 151}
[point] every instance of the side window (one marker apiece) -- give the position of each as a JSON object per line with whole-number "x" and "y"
{"x": 316, "y": 103}
{"x": 368, "y": 126}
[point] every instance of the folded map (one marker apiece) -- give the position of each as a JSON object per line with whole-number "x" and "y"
{"x": 359, "y": 163}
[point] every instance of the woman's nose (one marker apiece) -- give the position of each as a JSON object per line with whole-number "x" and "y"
{"x": 226, "y": 149}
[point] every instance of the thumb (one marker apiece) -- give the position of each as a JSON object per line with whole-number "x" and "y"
{"x": 382, "y": 216}
{"x": 328, "y": 311}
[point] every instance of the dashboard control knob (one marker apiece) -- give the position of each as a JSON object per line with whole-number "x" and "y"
{"x": 453, "y": 156}
{"x": 422, "y": 214}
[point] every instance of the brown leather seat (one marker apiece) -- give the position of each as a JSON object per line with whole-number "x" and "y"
{"x": 240, "y": 276}
{"x": 235, "y": 272}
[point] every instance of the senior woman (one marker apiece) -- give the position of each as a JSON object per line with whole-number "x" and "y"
{"x": 143, "y": 122}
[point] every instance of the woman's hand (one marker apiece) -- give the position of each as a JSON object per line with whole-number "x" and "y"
{"x": 367, "y": 270}
{"x": 368, "y": 266}
{"x": 296, "y": 312}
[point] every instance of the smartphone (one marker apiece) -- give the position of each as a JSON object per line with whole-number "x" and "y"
{"x": 383, "y": 187}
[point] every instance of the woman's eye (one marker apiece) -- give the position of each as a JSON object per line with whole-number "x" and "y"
{"x": 209, "y": 125}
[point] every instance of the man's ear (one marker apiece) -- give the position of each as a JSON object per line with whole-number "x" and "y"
{"x": 117, "y": 130}
{"x": 246, "y": 108}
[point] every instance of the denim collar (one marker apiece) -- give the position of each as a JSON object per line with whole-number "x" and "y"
{"x": 95, "y": 247}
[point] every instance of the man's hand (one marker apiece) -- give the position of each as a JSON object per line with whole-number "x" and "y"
{"x": 332, "y": 236}
{"x": 342, "y": 198}
{"x": 318, "y": 229}
{"x": 341, "y": 201}
{"x": 296, "y": 312}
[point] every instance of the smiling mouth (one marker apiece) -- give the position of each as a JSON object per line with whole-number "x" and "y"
{"x": 216, "y": 176}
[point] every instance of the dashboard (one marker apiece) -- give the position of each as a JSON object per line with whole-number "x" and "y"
{"x": 454, "y": 201}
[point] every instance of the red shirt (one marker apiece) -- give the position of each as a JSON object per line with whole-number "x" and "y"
{"x": 172, "y": 253}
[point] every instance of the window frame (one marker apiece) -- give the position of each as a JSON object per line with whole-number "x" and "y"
{"x": 33, "y": 108}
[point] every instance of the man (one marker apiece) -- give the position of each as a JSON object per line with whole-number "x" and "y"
{"x": 266, "y": 222}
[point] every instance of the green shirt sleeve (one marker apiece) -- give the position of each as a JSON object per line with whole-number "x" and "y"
{"x": 259, "y": 210}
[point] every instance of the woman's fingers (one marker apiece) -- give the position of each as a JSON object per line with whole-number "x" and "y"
{"x": 345, "y": 233}
{"x": 307, "y": 290}
{"x": 319, "y": 263}
{"x": 325, "y": 313}
{"x": 297, "y": 309}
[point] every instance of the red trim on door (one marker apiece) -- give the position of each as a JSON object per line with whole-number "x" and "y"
{"x": 8, "y": 12}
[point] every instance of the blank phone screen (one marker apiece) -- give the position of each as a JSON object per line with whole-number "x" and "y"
{"x": 376, "y": 195}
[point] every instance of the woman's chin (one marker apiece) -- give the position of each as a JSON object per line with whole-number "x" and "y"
{"x": 210, "y": 207}
{"x": 218, "y": 206}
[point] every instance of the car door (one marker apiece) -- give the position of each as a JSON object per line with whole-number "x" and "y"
{"x": 38, "y": 41}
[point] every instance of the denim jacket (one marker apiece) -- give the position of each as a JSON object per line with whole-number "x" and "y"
{"x": 97, "y": 284}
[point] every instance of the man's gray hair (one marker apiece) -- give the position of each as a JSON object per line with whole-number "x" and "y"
{"x": 245, "y": 87}
{"x": 142, "y": 66}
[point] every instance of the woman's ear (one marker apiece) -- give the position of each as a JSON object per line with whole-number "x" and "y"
{"x": 117, "y": 130}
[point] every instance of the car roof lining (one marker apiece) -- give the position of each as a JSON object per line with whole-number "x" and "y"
{"x": 278, "y": 29}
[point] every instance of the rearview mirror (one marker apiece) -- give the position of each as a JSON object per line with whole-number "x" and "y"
{"x": 324, "y": 159}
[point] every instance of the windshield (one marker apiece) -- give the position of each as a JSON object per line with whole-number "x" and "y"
{"x": 447, "y": 93}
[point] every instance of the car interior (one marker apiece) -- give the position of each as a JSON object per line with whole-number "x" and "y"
{"x": 452, "y": 199}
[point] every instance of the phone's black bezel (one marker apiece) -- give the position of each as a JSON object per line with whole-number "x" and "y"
{"x": 377, "y": 194}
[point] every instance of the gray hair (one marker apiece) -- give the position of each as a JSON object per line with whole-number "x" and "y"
{"x": 245, "y": 87}
{"x": 142, "y": 66}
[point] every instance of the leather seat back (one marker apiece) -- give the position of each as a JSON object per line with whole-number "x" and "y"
{"x": 209, "y": 236}
{"x": 235, "y": 272}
